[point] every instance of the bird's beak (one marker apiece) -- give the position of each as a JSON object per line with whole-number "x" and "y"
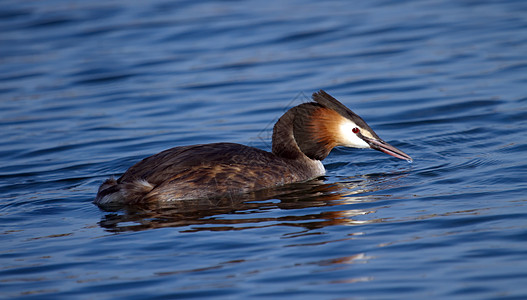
{"x": 382, "y": 146}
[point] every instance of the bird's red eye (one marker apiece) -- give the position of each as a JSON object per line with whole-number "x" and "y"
{"x": 355, "y": 130}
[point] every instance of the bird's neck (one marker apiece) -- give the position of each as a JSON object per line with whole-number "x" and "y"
{"x": 303, "y": 132}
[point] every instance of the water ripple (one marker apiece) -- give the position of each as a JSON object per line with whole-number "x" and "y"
{"x": 90, "y": 88}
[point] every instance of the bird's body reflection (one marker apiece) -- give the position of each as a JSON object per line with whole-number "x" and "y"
{"x": 213, "y": 214}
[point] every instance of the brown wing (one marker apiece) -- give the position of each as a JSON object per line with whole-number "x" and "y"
{"x": 208, "y": 170}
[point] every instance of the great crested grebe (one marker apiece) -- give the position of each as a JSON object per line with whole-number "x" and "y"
{"x": 302, "y": 138}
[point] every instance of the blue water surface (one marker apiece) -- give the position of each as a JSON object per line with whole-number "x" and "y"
{"x": 88, "y": 88}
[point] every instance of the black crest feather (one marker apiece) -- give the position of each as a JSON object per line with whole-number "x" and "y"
{"x": 326, "y": 100}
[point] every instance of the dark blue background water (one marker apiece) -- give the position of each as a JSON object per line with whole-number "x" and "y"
{"x": 87, "y": 88}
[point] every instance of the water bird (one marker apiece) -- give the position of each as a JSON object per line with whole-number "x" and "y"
{"x": 301, "y": 139}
